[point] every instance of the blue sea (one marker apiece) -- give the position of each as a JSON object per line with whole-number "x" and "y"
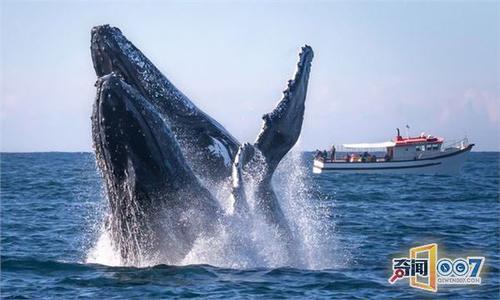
{"x": 51, "y": 214}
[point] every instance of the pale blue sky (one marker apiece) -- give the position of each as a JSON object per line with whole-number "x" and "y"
{"x": 377, "y": 66}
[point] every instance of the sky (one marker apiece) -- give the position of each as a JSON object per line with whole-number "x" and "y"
{"x": 378, "y": 65}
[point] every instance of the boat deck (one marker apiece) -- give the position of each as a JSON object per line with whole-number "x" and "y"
{"x": 443, "y": 162}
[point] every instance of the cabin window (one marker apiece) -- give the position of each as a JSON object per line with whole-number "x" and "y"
{"x": 435, "y": 147}
{"x": 429, "y": 147}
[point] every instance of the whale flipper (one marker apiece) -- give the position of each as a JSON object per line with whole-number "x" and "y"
{"x": 207, "y": 145}
{"x": 282, "y": 126}
{"x": 280, "y": 132}
{"x": 158, "y": 206}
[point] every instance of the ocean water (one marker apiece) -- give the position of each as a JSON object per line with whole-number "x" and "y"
{"x": 351, "y": 226}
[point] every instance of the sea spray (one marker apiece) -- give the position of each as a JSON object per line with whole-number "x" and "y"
{"x": 310, "y": 217}
{"x": 103, "y": 252}
{"x": 243, "y": 241}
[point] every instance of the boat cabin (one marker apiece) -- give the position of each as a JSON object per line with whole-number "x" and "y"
{"x": 414, "y": 147}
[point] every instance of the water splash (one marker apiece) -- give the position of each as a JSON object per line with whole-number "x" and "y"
{"x": 103, "y": 252}
{"x": 310, "y": 217}
{"x": 244, "y": 241}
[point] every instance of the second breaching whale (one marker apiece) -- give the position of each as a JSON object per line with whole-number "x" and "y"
{"x": 157, "y": 205}
{"x": 149, "y": 138}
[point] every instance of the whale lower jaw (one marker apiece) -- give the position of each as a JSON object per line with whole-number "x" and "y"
{"x": 162, "y": 158}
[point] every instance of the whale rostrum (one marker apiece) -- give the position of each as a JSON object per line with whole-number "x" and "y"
{"x": 160, "y": 155}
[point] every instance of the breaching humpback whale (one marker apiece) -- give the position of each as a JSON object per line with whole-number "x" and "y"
{"x": 158, "y": 153}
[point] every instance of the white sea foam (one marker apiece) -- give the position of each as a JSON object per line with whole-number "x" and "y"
{"x": 103, "y": 252}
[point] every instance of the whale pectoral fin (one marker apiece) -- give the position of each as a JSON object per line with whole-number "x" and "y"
{"x": 280, "y": 132}
{"x": 282, "y": 126}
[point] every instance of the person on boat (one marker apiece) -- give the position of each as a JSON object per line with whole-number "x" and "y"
{"x": 387, "y": 157}
{"x": 325, "y": 155}
{"x": 365, "y": 157}
{"x": 347, "y": 157}
{"x": 319, "y": 155}
{"x": 332, "y": 153}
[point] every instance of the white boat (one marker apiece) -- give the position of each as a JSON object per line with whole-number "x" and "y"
{"x": 424, "y": 154}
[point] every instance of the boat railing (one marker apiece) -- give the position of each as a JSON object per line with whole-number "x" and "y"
{"x": 341, "y": 158}
{"x": 460, "y": 144}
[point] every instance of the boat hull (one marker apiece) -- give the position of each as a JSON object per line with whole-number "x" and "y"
{"x": 445, "y": 164}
